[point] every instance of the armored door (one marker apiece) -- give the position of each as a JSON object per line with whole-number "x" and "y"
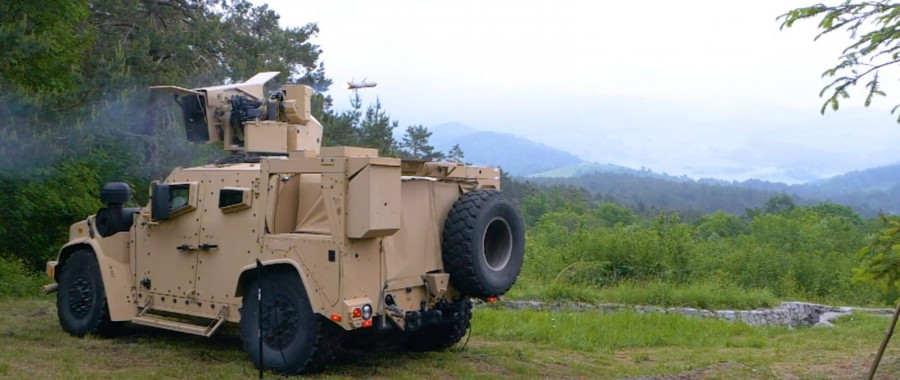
{"x": 165, "y": 254}
{"x": 230, "y": 223}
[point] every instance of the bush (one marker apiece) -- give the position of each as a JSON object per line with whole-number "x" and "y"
{"x": 798, "y": 253}
{"x": 17, "y": 281}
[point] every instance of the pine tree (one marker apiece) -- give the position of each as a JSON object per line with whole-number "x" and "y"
{"x": 415, "y": 145}
{"x": 376, "y": 130}
{"x": 343, "y": 128}
{"x": 455, "y": 154}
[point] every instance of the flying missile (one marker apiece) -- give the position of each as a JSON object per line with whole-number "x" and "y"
{"x": 352, "y": 85}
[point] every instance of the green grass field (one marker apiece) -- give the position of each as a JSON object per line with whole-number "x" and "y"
{"x": 703, "y": 295}
{"x": 503, "y": 344}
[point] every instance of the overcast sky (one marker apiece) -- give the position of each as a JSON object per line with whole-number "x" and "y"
{"x": 702, "y": 88}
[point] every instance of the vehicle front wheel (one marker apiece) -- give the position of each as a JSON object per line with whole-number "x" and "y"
{"x": 81, "y": 299}
{"x": 295, "y": 339}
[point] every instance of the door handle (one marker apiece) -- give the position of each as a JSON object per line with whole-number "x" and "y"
{"x": 184, "y": 247}
{"x": 206, "y": 246}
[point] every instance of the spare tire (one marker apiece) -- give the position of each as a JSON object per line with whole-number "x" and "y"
{"x": 483, "y": 244}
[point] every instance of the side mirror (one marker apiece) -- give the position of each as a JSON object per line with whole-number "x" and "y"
{"x": 159, "y": 201}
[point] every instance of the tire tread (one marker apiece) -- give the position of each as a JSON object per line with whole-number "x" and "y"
{"x": 457, "y": 242}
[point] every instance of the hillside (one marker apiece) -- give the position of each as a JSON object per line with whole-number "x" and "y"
{"x": 867, "y": 191}
{"x": 870, "y": 180}
{"x": 647, "y": 193}
{"x": 583, "y": 168}
{"x": 870, "y": 191}
{"x": 517, "y": 156}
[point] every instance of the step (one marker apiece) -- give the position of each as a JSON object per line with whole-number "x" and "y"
{"x": 155, "y": 321}
{"x": 152, "y": 320}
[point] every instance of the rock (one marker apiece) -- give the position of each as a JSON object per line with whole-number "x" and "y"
{"x": 792, "y": 314}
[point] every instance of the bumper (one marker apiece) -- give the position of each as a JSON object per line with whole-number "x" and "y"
{"x": 51, "y": 272}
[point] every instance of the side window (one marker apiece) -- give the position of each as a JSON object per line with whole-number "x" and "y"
{"x": 178, "y": 197}
{"x": 233, "y": 199}
{"x": 169, "y": 200}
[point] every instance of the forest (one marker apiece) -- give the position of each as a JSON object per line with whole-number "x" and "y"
{"x": 584, "y": 249}
{"x": 76, "y": 114}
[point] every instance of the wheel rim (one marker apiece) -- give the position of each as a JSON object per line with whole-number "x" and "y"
{"x": 497, "y": 244}
{"x": 281, "y": 321}
{"x": 81, "y": 295}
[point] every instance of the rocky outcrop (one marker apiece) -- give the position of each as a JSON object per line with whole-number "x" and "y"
{"x": 794, "y": 314}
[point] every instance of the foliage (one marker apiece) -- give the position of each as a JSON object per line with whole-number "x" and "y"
{"x": 41, "y": 43}
{"x": 556, "y": 198}
{"x": 41, "y": 210}
{"x": 456, "y": 154}
{"x": 882, "y": 256}
{"x": 582, "y": 251}
{"x": 648, "y": 196}
{"x": 17, "y": 281}
{"x": 873, "y": 29}
{"x": 376, "y": 130}
{"x": 415, "y": 145}
{"x": 77, "y": 112}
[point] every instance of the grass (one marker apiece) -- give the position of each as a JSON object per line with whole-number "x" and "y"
{"x": 503, "y": 344}
{"x": 704, "y": 295}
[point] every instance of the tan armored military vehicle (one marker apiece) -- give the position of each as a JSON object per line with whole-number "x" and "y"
{"x": 305, "y": 247}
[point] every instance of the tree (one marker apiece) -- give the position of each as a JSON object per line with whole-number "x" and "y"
{"x": 415, "y": 145}
{"x": 376, "y": 130}
{"x": 340, "y": 128}
{"x": 874, "y": 28}
{"x": 41, "y": 43}
{"x": 455, "y": 154}
{"x": 779, "y": 204}
{"x": 73, "y": 82}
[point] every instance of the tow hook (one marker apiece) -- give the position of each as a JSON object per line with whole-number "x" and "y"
{"x": 50, "y": 288}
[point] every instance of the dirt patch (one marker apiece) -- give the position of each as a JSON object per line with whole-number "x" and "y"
{"x": 848, "y": 368}
{"x": 726, "y": 370}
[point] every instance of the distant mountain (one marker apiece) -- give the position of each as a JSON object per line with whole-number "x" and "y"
{"x": 866, "y": 181}
{"x": 517, "y": 156}
{"x": 869, "y": 191}
{"x": 585, "y": 168}
{"x": 866, "y": 191}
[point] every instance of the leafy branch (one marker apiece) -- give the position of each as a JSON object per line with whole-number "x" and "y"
{"x": 881, "y": 258}
{"x": 875, "y": 28}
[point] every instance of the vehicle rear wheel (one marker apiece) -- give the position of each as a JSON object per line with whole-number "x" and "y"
{"x": 483, "y": 244}
{"x": 81, "y": 299}
{"x": 295, "y": 339}
{"x": 439, "y": 337}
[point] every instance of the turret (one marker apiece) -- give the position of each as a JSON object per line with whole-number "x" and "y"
{"x": 245, "y": 120}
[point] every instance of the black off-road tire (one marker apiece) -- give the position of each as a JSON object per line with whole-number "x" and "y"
{"x": 439, "y": 337}
{"x": 483, "y": 244}
{"x": 81, "y": 299}
{"x": 295, "y": 339}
